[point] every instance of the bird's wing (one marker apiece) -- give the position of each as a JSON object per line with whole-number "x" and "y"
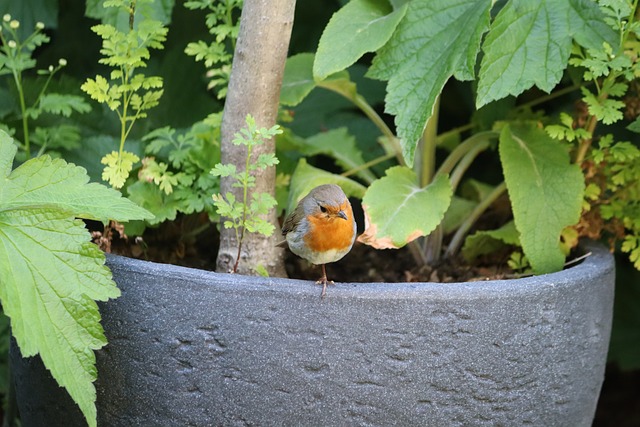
{"x": 292, "y": 221}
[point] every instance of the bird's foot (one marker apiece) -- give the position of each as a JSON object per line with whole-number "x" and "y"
{"x": 324, "y": 282}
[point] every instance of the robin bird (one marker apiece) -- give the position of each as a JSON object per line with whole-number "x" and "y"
{"x": 321, "y": 229}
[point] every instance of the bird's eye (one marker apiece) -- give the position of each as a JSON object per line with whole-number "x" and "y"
{"x": 323, "y": 209}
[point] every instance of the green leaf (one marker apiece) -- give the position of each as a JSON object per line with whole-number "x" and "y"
{"x": 51, "y": 273}
{"x": 528, "y": 44}
{"x": 488, "y": 241}
{"x": 63, "y": 104}
{"x": 545, "y": 189}
{"x": 152, "y": 198}
{"x": 159, "y": 10}
{"x": 435, "y": 40}
{"x": 458, "y": 211}
{"x": 398, "y": 211}
{"x": 340, "y": 145}
{"x": 297, "y": 81}
{"x": 224, "y": 170}
{"x": 369, "y": 24}
{"x": 306, "y": 177}
{"x": 118, "y": 166}
{"x": 587, "y": 25}
{"x": 635, "y": 125}
{"x": 57, "y": 184}
{"x": 607, "y": 110}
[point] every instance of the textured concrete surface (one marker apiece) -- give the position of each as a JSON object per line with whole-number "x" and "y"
{"x": 192, "y": 348}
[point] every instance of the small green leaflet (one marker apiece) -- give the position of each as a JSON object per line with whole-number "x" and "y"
{"x": 398, "y": 211}
{"x": 489, "y": 241}
{"x": 51, "y": 273}
{"x": 545, "y": 189}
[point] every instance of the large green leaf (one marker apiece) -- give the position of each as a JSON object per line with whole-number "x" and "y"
{"x": 545, "y": 189}
{"x": 398, "y": 211}
{"x": 50, "y": 273}
{"x": 435, "y": 40}
{"x": 530, "y": 41}
{"x": 369, "y": 24}
{"x": 47, "y": 182}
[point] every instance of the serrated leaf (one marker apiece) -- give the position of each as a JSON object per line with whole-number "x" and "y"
{"x": 224, "y": 170}
{"x": 340, "y": 145}
{"x": 435, "y": 40}
{"x": 587, "y": 25}
{"x": 46, "y": 261}
{"x": 545, "y": 189}
{"x": 306, "y": 177}
{"x": 51, "y": 273}
{"x": 398, "y": 211}
{"x": 529, "y": 44}
{"x": 488, "y": 241}
{"x": 369, "y": 24}
{"x": 63, "y": 104}
{"x": 43, "y": 181}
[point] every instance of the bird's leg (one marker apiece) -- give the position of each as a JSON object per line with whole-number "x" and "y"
{"x": 324, "y": 282}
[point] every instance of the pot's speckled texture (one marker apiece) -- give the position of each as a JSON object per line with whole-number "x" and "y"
{"x": 193, "y": 348}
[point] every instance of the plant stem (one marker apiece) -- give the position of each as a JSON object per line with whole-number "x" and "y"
{"x": 368, "y": 110}
{"x": 425, "y": 165}
{"x": 368, "y": 164}
{"x": 426, "y": 152}
{"x": 132, "y": 13}
{"x": 456, "y": 240}
{"x": 480, "y": 139}
{"x": 23, "y": 108}
{"x": 360, "y": 102}
{"x": 245, "y": 191}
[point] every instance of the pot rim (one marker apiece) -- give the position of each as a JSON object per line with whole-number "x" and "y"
{"x": 598, "y": 263}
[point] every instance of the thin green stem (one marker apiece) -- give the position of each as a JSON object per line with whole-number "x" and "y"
{"x": 368, "y": 164}
{"x": 17, "y": 76}
{"x": 245, "y": 192}
{"x": 229, "y": 19}
{"x": 461, "y": 232}
{"x": 465, "y": 162}
{"x": 360, "y": 102}
{"x": 463, "y": 148}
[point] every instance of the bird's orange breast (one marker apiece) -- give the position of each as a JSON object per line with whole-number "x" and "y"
{"x": 330, "y": 233}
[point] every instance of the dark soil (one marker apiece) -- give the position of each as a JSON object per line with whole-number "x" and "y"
{"x": 173, "y": 243}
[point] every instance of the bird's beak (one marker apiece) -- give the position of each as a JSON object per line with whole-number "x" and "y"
{"x": 342, "y": 215}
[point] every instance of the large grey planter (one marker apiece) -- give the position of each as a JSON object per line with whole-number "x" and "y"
{"x": 194, "y": 348}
